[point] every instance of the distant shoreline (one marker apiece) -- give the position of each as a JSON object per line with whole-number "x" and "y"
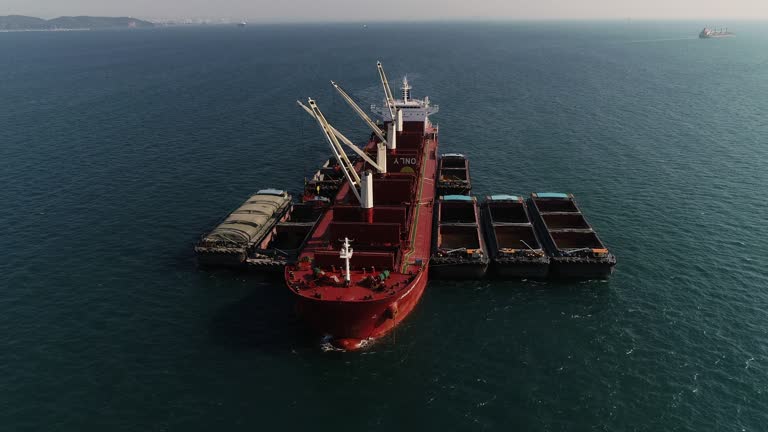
{"x": 45, "y": 30}
{"x": 15, "y": 23}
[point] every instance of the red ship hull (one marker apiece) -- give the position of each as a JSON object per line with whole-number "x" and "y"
{"x": 352, "y": 325}
{"x": 392, "y": 247}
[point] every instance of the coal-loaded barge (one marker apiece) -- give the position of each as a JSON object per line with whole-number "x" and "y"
{"x": 453, "y": 175}
{"x": 574, "y": 248}
{"x": 513, "y": 244}
{"x": 459, "y": 247}
{"x": 357, "y": 246}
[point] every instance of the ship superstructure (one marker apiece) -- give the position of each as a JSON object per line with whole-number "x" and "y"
{"x": 366, "y": 262}
{"x": 412, "y": 110}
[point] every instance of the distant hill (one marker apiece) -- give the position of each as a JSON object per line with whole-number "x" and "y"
{"x": 19, "y": 22}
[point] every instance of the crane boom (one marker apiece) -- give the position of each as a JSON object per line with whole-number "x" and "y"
{"x": 345, "y": 140}
{"x": 387, "y": 90}
{"x": 360, "y": 112}
{"x": 338, "y": 152}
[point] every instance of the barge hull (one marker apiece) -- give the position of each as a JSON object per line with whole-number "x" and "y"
{"x": 517, "y": 269}
{"x": 462, "y": 270}
{"x": 226, "y": 259}
{"x": 569, "y": 269}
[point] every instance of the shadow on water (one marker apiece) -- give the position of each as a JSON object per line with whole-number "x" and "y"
{"x": 265, "y": 320}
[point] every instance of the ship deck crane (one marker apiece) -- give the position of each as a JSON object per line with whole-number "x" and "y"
{"x": 355, "y": 107}
{"x": 394, "y": 113}
{"x": 365, "y": 194}
{"x": 380, "y": 165}
{"x": 387, "y": 90}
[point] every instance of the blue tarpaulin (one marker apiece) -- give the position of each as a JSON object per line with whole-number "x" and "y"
{"x": 457, "y": 198}
{"x": 551, "y": 195}
{"x": 505, "y": 197}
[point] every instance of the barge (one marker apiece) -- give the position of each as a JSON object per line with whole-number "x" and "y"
{"x": 229, "y": 243}
{"x": 513, "y": 243}
{"x": 325, "y": 182}
{"x": 459, "y": 247}
{"x": 365, "y": 264}
{"x": 453, "y": 175}
{"x": 281, "y": 246}
{"x": 574, "y": 248}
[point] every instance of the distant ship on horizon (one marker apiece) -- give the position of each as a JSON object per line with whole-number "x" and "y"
{"x": 708, "y": 33}
{"x": 242, "y": 23}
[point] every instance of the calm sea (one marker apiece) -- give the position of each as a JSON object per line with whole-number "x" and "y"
{"x": 117, "y": 149}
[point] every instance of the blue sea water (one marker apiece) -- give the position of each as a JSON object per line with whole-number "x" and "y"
{"x": 119, "y": 148}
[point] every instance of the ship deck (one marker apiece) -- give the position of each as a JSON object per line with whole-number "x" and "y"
{"x": 383, "y": 270}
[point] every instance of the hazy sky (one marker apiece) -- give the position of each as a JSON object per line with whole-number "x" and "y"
{"x": 366, "y": 10}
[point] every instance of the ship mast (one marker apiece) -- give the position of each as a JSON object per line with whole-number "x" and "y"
{"x": 346, "y": 255}
{"x": 406, "y": 88}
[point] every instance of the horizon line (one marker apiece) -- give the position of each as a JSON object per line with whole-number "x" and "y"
{"x": 285, "y": 20}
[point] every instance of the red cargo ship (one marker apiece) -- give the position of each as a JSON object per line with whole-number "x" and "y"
{"x": 365, "y": 264}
